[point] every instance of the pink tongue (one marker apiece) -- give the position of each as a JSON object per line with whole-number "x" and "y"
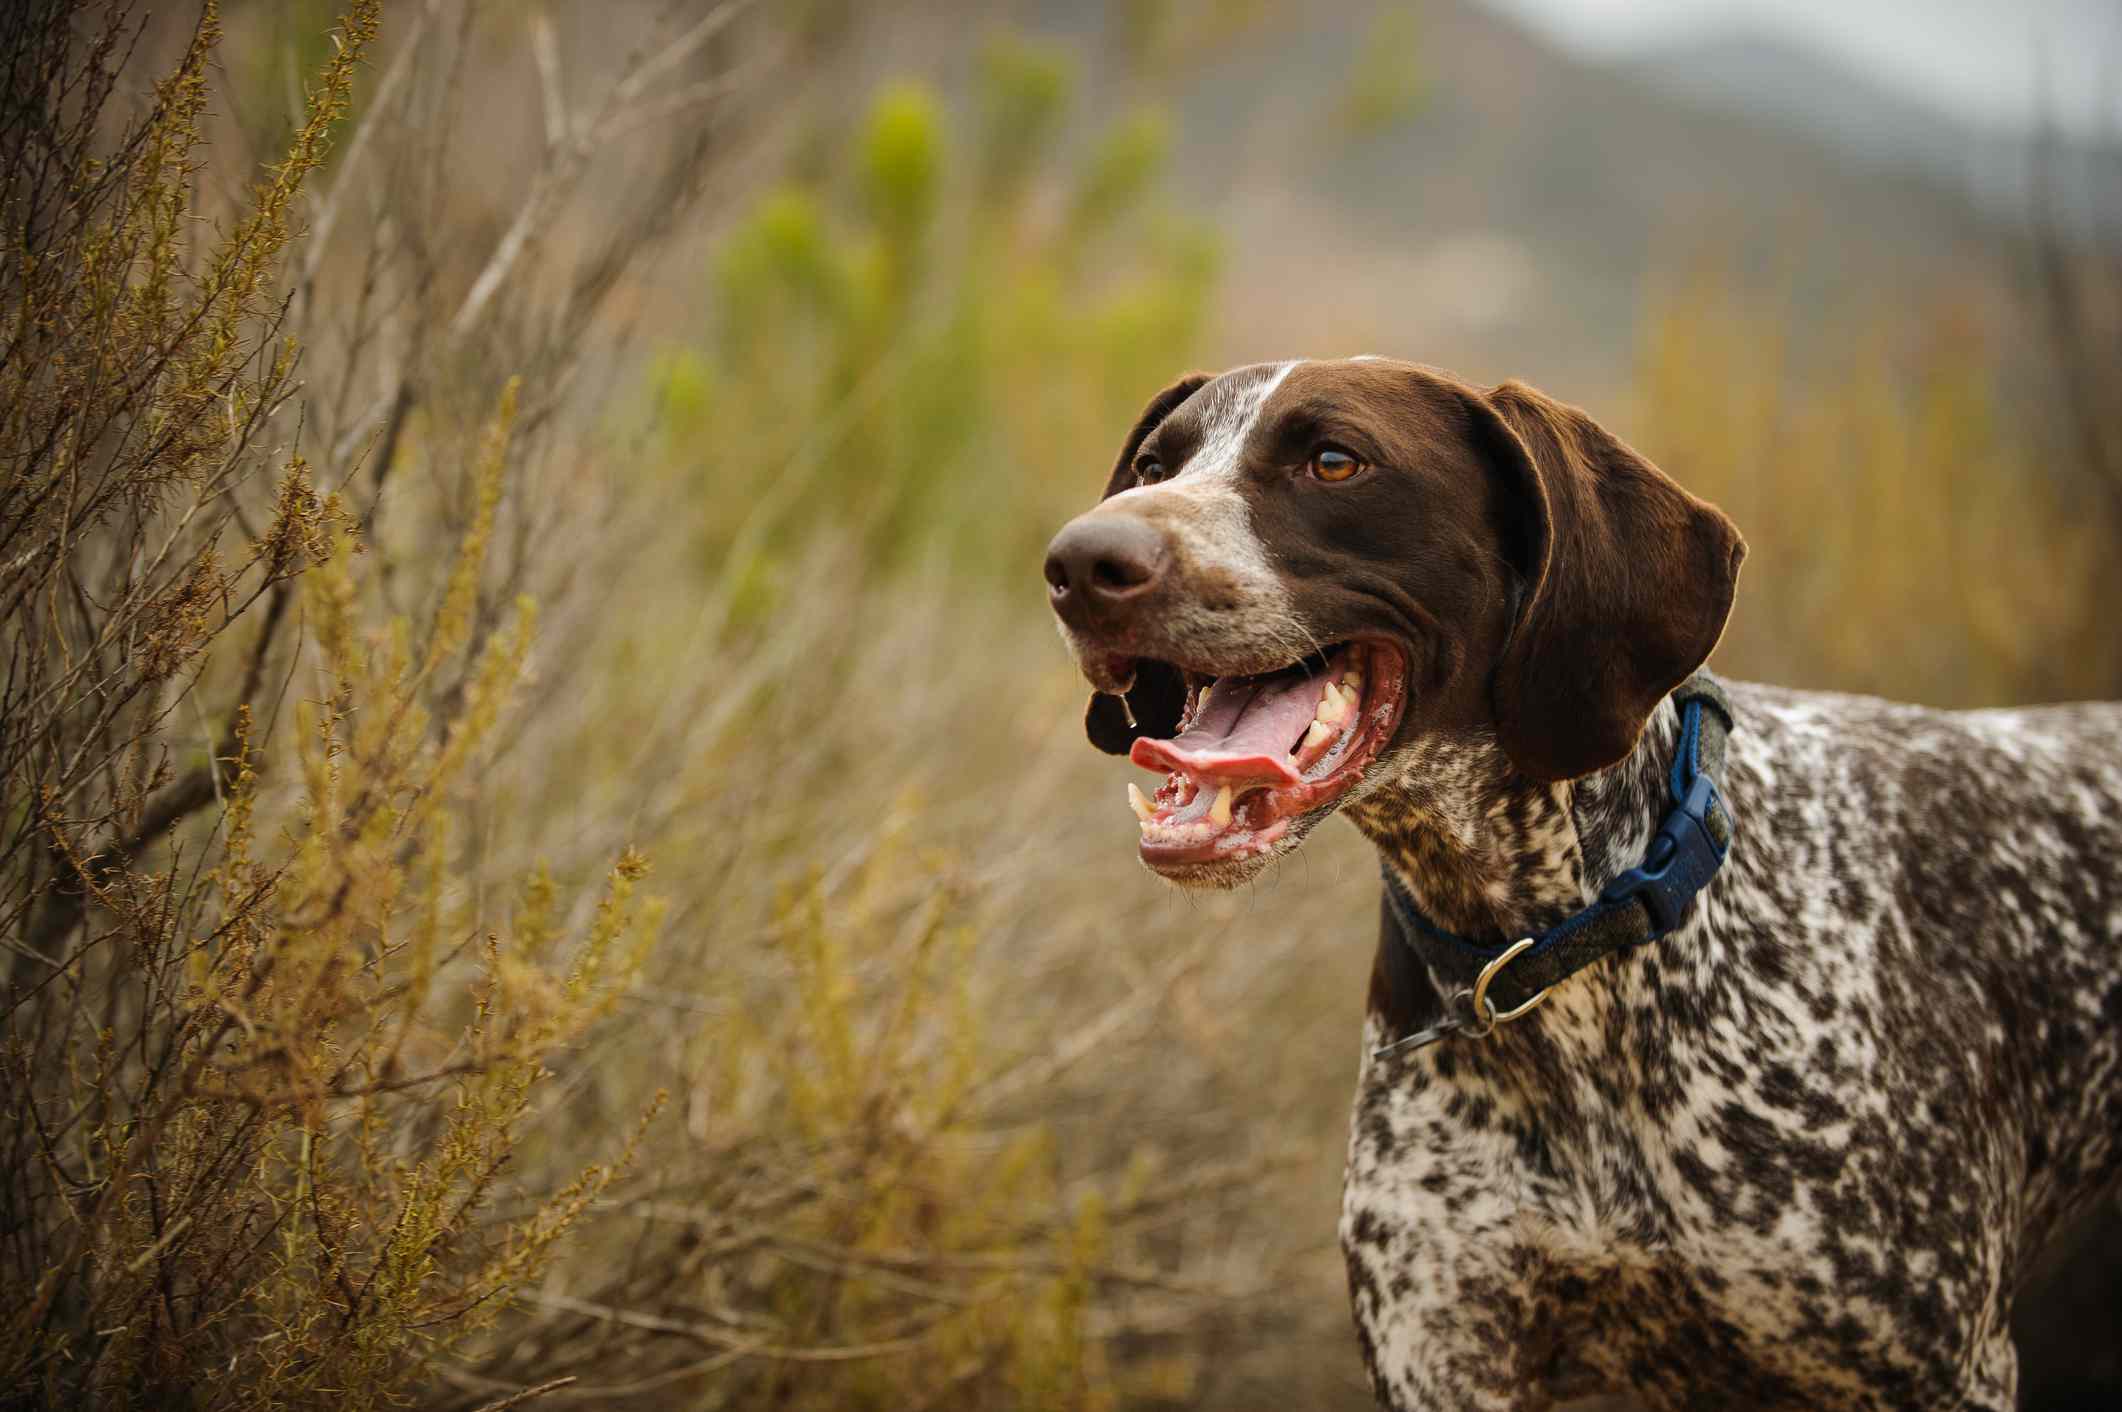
{"x": 1244, "y": 732}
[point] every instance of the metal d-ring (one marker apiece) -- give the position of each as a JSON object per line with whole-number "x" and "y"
{"x": 1486, "y": 1016}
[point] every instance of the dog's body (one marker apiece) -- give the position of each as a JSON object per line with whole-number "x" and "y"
{"x": 1797, "y": 1152}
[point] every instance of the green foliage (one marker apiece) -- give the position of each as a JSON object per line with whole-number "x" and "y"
{"x": 1119, "y": 174}
{"x": 267, "y": 64}
{"x": 1024, "y": 95}
{"x": 901, "y": 162}
{"x": 922, "y": 334}
{"x": 1387, "y": 83}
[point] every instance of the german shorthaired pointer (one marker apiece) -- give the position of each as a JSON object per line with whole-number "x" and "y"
{"x": 1736, "y": 1046}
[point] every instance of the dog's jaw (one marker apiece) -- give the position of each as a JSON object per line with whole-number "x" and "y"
{"x": 1257, "y": 761}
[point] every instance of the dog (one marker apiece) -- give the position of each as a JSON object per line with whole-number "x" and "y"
{"x": 1726, "y": 1045}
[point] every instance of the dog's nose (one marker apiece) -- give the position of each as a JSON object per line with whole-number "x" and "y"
{"x": 1099, "y": 563}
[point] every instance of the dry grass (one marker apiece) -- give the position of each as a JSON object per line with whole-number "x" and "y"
{"x": 1914, "y": 532}
{"x": 895, "y": 1083}
{"x": 312, "y": 1047}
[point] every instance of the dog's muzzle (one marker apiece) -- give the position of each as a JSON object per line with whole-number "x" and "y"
{"x": 1102, "y": 568}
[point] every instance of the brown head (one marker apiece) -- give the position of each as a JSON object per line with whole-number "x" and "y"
{"x": 1299, "y": 569}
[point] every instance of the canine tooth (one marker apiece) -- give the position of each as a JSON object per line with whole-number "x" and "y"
{"x": 1220, "y": 810}
{"x": 1318, "y": 735}
{"x": 1139, "y": 802}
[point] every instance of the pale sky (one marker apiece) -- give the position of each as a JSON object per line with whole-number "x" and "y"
{"x": 1982, "y": 60}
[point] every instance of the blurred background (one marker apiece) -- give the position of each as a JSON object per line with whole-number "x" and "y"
{"x": 652, "y": 418}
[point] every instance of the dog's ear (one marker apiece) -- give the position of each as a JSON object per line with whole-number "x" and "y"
{"x": 1158, "y": 696}
{"x": 1628, "y": 582}
{"x": 1161, "y": 406}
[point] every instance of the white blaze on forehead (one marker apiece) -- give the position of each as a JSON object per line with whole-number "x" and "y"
{"x": 1230, "y": 406}
{"x": 1205, "y": 511}
{"x": 1231, "y": 412}
{"x": 1204, "y": 502}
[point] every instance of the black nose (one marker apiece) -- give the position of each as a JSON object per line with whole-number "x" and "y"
{"x": 1099, "y": 564}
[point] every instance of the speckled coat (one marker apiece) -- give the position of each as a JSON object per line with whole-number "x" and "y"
{"x": 1798, "y": 1153}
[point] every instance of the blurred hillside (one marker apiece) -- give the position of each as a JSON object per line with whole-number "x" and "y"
{"x": 1786, "y": 86}
{"x": 1510, "y": 222}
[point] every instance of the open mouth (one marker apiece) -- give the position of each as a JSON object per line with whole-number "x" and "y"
{"x": 1255, "y": 755}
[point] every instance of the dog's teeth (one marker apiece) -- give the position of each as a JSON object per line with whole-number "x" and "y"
{"x": 1139, "y": 802}
{"x": 1318, "y": 735}
{"x": 1220, "y": 810}
{"x": 1331, "y": 707}
{"x": 1352, "y": 680}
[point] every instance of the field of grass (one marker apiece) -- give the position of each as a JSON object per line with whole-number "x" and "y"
{"x": 557, "y": 858}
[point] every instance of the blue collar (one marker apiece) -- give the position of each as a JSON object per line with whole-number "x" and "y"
{"x": 1495, "y": 983}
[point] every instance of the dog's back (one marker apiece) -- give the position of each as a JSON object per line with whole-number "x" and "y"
{"x": 1944, "y": 892}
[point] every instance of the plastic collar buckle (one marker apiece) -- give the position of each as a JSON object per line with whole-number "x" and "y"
{"x": 1681, "y": 859}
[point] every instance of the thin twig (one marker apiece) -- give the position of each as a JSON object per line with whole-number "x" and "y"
{"x": 517, "y": 1399}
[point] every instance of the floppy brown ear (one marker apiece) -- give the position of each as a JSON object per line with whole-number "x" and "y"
{"x": 1158, "y": 696}
{"x": 1629, "y": 580}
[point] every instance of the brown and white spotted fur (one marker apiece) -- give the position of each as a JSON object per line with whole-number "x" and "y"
{"x": 1799, "y": 1153}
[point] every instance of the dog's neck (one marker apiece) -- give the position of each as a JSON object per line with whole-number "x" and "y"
{"x": 1491, "y": 855}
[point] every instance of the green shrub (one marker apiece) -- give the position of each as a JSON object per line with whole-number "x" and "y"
{"x": 925, "y": 331}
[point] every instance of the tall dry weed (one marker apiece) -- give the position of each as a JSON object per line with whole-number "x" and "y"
{"x": 352, "y": 676}
{"x": 1912, "y": 533}
{"x": 264, "y": 1066}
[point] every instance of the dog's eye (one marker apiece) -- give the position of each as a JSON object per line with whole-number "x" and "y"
{"x": 1330, "y": 465}
{"x": 1149, "y": 471}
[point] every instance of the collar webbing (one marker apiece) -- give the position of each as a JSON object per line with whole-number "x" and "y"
{"x": 1487, "y": 983}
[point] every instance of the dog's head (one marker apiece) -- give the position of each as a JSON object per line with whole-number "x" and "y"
{"x": 1298, "y": 570}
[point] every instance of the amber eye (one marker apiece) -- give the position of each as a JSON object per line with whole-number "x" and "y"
{"x": 1330, "y": 465}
